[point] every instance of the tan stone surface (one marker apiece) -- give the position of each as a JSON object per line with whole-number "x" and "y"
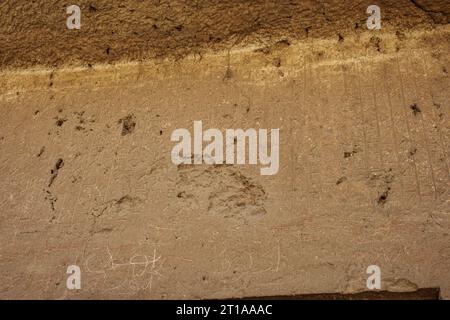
{"x": 363, "y": 179}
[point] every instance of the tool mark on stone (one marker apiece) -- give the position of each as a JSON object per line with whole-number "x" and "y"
{"x": 415, "y": 109}
{"x": 60, "y": 121}
{"x": 384, "y": 181}
{"x": 51, "y": 199}
{"x": 383, "y": 197}
{"x": 128, "y": 124}
{"x": 114, "y": 205}
{"x": 41, "y": 151}
{"x": 54, "y": 172}
{"x": 348, "y": 154}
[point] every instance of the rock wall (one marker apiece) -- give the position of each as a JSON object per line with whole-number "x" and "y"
{"x": 86, "y": 176}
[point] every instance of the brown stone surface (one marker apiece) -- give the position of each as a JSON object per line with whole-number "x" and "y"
{"x": 86, "y": 176}
{"x": 34, "y": 32}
